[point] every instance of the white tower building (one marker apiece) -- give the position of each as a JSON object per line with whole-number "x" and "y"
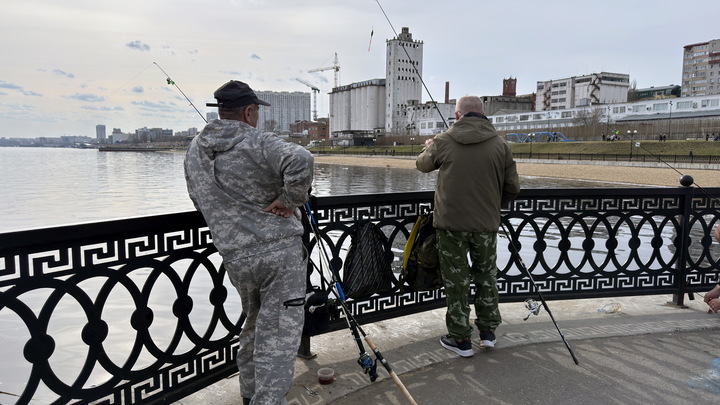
{"x": 402, "y": 80}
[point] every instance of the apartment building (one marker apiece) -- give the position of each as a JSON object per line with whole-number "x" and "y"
{"x": 285, "y": 108}
{"x": 582, "y": 91}
{"x": 701, "y": 69}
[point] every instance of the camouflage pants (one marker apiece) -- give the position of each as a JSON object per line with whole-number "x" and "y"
{"x": 270, "y": 337}
{"x": 458, "y": 274}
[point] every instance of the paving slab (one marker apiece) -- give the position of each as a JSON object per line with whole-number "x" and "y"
{"x": 647, "y": 352}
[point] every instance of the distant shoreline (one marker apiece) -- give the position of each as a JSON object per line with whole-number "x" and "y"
{"x": 652, "y": 176}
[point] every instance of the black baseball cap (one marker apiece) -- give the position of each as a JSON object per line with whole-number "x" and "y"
{"x": 235, "y": 94}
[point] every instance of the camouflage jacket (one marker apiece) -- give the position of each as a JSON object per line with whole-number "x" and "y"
{"x": 233, "y": 171}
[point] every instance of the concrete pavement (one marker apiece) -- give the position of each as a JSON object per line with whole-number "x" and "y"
{"x": 648, "y": 352}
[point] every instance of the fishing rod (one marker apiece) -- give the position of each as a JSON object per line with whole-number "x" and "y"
{"x": 172, "y": 83}
{"x": 686, "y": 180}
{"x": 534, "y": 309}
{"x": 414, "y": 67}
{"x": 368, "y": 366}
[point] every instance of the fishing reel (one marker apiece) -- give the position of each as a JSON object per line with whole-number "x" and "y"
{"x": 369, "y": 367}
{"x": 532, "y": 306}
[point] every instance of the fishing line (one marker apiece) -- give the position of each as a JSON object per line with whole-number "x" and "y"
{"x": 530, "y": 307}
{"x": 172, "y": 83}
{"x": 685, "y": 179}
{"x": 68, "y": 127}
{"x": 414, "y": 67}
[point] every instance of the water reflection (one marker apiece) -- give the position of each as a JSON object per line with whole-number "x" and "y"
{"x": 334, "y": 179}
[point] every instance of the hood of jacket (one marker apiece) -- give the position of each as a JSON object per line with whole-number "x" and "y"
{"x": 472, "y": 129}
{"x": 221, "y": 136}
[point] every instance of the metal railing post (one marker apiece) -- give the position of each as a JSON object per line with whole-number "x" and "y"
{"x": 686, "y": 195}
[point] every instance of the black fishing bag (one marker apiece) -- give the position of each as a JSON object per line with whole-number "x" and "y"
{"x": 367, "y": 267}
{"x": 421, "y": 264}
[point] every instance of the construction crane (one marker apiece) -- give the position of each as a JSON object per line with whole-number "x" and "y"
{"x": 316, "y": 91}
{"x": 334, "y": 67}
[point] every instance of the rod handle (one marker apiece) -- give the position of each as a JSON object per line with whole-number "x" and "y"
{"x": 392, "y": 373}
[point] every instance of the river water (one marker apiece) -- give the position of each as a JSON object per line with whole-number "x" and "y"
{"x": 45, "y": 187}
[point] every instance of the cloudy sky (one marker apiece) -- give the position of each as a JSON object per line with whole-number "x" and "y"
{"x": 72, "y": 64}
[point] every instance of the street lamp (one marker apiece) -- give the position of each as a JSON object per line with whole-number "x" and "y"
{"x": 669, "y": 121}
{"x": 412, "y": 145}
{"x": 531, "y": 136}
{"x": 631, "y": 134}
{"x": 607, "y": 128}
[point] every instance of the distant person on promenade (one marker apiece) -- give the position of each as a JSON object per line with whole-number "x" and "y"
{"x": 712, "y": 297}
{"x": 247, "y": 185}
{"x": 477, "y": 176}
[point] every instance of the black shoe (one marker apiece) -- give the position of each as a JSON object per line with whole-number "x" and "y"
{"x": 461, "y": 347}
{"x": 487, "y": 338}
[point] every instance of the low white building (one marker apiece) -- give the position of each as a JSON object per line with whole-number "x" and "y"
{"x": 430, "y": 118}
{"x": 706, "y": 108}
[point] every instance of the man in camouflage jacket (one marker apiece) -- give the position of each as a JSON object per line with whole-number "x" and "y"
{"x": 476, "y": 177}
{"x": 247, "y": 185}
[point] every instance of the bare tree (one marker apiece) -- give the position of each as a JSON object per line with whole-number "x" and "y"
{"x": 632, "y": 92}
{"x": 588, "y": 117}
{"x": 270, "y": 125}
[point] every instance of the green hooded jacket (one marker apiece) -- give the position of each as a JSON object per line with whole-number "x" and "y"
{"x": 477, "y": 175}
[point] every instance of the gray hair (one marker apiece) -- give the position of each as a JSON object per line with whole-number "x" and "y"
{"x": 468, "y": 104}
{"x": 234, "y": 113}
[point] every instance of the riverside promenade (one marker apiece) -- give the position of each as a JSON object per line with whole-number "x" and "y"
{"x": 648, "y": 352}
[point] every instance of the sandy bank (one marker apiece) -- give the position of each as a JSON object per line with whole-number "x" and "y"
{"x": 623, "y": 174}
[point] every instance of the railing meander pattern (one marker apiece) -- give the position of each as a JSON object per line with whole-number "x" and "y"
{"x": 141, "y": 310}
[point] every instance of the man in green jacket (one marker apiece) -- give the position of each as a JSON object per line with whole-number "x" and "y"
{"x": 477, "y": 176}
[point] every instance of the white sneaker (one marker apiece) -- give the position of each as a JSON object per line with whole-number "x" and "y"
{"x": 487, "y": 338}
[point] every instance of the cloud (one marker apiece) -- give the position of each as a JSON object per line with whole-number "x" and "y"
{"x": 63, "y": 73}
{"x": 10, "y": 86}
{"x": 156, "y": 106}
{"x": 138, "y": 45}
{"x": 95, "y": 108}
{"x": 138, "y": 89}
{"x": 93, "y": 98}
{"x": 18, "y": 107}
{"x": 6, "y": 85}
{"x": 167, "y": 49}
{"x": 255, "y": 56}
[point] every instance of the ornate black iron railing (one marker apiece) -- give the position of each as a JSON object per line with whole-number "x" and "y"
{"x": 141, "y": 310}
